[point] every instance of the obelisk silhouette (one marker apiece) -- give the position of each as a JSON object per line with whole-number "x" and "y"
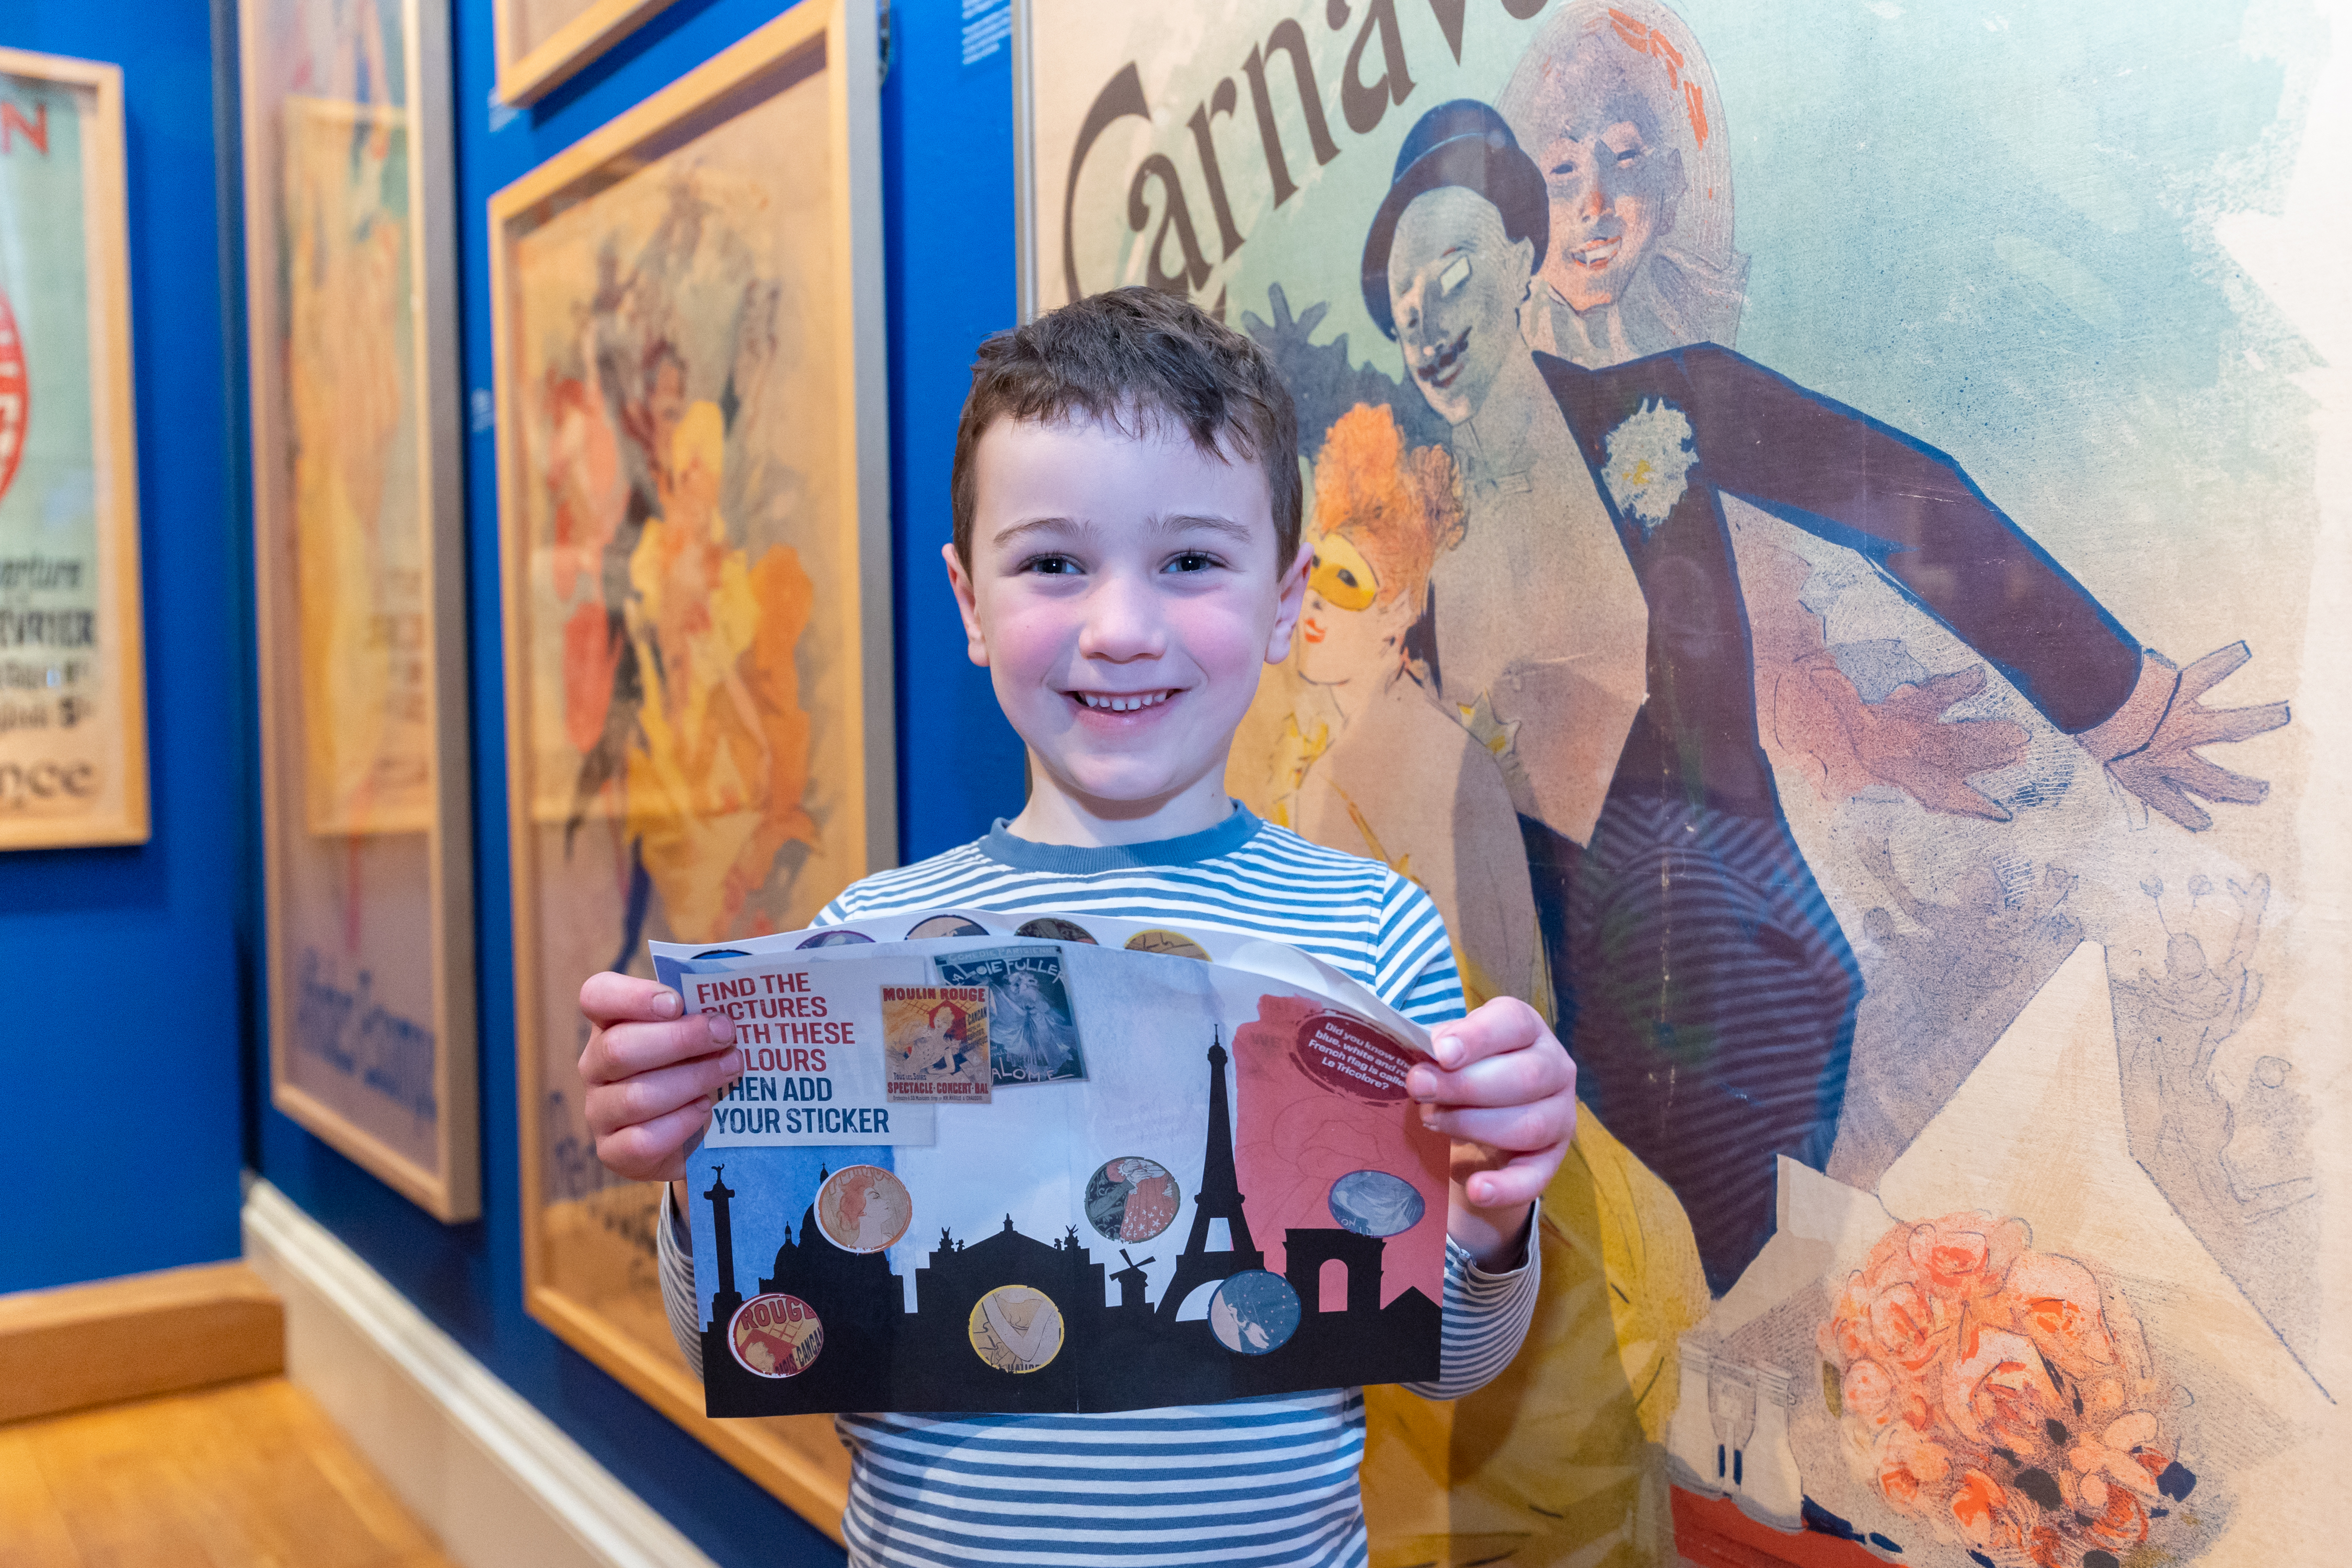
{"x": 723, "y": 1305}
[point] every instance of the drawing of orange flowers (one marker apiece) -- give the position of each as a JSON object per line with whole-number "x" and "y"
{"x": 2000, "y": 1396}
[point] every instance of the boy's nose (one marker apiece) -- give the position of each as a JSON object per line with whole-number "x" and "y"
{"x": 1123, "y": 621}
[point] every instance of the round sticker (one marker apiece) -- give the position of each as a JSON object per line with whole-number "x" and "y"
{"x": 775, "y": 1335}
{"x": 1341, "y": 1051}
{"x": 940, "y": 926}
{"x": 1016, "y": 1328}
{"x": 864, "y": 1208}
{"x": 1254, "y": 1312}
{"x": 1132, "y": 1199}
{"x": 1374, "y": 1203}
{"x": 1174, "y": 944}
{"x": 836, "y": 939}
{"x": 1055, "y": 930}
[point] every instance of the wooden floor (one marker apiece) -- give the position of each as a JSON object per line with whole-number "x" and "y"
{"x": 249, "y": 1475}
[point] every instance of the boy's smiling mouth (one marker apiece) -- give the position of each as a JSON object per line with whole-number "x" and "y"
{"x": 1120, "y": 702}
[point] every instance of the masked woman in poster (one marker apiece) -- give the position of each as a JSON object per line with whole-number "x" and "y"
{"x": 1592, "y": 621}
{"x": 1397, "y": 778}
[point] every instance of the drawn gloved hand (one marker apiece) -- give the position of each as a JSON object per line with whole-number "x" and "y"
{"x": 1904, "y": 739}
{"x": 1285, "y": 331}
{"x": 2150, "y": 744}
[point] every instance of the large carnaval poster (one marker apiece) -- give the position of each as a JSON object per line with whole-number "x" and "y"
{"x": 1821, "y": 568}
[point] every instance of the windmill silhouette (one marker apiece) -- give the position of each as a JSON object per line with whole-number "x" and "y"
{"x": 1220, "y": 1197}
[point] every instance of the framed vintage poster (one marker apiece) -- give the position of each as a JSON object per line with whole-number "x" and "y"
{"x": 73, "y": 707}
{"x": 1831, "y": 568}
{"x": 542, "y": 44}
{"x": 694, "y": 505}
{"x": 359, "y": 565}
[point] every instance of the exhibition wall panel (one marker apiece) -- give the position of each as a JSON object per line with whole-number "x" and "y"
{"x": 152, "y": 927}
{"x": 948, "y": 195}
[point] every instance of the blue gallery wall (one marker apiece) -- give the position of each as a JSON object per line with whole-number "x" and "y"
{"x": 947, "y": 131}
{"x": 120, "y": 1123}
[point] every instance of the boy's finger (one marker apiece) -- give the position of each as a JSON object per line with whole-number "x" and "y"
{"x": 624, "y": 1050}
{"x": 653, "y": 1150}
{"x": 1518, "y": 1180}
{"x": 1505, "y": 1024}
{"x": 647, "y": 1094}
{"x": 1507, "y": 1128}
{"x": 609, "y": 998}
{"x": 1513, "y": 1078}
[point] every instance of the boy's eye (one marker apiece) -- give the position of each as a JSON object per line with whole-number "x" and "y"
{"x": 1192, "y": 560}
{"x": 1050, "y": 565}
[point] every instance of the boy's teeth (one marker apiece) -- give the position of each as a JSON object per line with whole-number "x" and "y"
{"x": 1108, "y": 704}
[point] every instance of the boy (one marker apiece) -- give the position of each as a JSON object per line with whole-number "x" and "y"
{"x": 1126, "y": 558}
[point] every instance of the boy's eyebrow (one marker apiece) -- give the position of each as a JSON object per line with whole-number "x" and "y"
{"x": 1179, "y": 522}
{"x": 1173, "y": 523}
{"x": 1028, "y": 525}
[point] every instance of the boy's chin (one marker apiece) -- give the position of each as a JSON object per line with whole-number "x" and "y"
{"x": 1124, "y": 791}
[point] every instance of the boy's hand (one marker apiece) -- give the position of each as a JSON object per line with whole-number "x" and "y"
{"x": 1504, "y": 1089}
{"x": 652, "y": 1075}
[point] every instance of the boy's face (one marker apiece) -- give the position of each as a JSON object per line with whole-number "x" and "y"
{"x": 1124, "y": 595}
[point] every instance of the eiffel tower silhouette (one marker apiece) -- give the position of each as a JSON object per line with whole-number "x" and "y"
{"x": 1220, "y": 1197}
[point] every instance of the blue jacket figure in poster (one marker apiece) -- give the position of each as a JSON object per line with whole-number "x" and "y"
{"x": 1592, "y": 625}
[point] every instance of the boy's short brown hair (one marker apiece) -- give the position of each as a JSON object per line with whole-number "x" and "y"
{"x": 1135, "y": 357}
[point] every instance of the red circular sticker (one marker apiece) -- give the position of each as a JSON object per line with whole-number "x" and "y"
{"x": 1343, "y": 1052}
{"x": 15, "y": 396}
{"x": 775, "y": 1335}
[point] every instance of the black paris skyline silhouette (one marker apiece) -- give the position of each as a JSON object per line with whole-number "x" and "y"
{"x": 1133, "y": 1355}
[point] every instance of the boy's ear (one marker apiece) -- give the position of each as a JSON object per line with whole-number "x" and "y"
{"x": 975, "y": 641}
{"x": 1293, "y": 591}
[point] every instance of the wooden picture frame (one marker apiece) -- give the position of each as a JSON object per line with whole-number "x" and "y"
{"x": 359, "y": 575}
{"x": 73, "y": 749}
{"x": 594, "y": 401}
{"x": 533, "y": 61}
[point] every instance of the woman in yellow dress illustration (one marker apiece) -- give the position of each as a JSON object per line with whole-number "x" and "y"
{"x": 718, "y": 765}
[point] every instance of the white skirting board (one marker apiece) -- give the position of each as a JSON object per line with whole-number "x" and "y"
{"x": 497, "y": 1482}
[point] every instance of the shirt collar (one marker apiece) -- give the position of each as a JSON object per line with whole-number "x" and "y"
{"x": 1072, "y": 860}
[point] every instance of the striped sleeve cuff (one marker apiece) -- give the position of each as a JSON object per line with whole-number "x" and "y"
{"x": 1486, "y": 1318}
{"x": 675, "y": 1245}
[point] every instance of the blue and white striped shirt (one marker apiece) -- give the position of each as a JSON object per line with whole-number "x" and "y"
{"x": 1265, "y": 1483}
